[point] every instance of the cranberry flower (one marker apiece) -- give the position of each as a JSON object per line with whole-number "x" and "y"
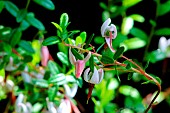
{"x": 79, "y": 64}
{"x": 164, "y": 46}
{"x": 106, "y": 31}
{"x": 93, "y": 78}
{"x": 44, "y": 55}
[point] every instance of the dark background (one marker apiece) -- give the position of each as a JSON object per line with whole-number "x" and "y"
{"x": 85, "y": 15}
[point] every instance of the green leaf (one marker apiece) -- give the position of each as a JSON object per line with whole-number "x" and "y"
{"x": 152, "y": 22}
{"x": 79, "y": 82}
{"x": 137, "y": 17}
{"x": 24, "y": 25}
{"x": 11, "y": 8}
{"x": 105, "y": 15}
{"x": 155, "y": 56}
{"x": 83, "y": 35}
{"x": 118, "y": 40}
{"x": 100, "y": 47}
{"x": 27, "y": 58}
{"x": 72, "y": 33}
{"x": 34, "y": 22}
{"x": 40, "y": 83}
{"x": 79, "y": 40}
{"x": 163, "y": 32}
{"x": 88, "y": 41}
{"x": 21, "y": 15}
{"x": 76, "y": 54}
{"x": 106, "y": 59}
{"x": 58, "y": 79}
{"x": 48, "y": 4}
{"x": 99, "y": 40}
{"x": 26, "y": 46}
{"x": 130, "y": 76}
{"x": 6, "y": 47}
{"x": 118, "y": 53}
{"x": 15, "y": 37}
{"x": 164, "y": 8}
{"x": 5, "y": 33}
{"x": 51, "y": 40}
{"x": 103, "y": 5}
{"x": 91, "y": 60}
{"x": 52, "y": 93}
{"x": 63, "y": 58}
{"x": 130, "y": 3}
{"x": 134, "y": 43}
{"x": 129, "y": 91}
{"x": 57, "y": 26}
{"x": 64, "y": 20}
{"x": 127, "y": 25}
{"x": 128, "y": 66}
{"x": 139, "y": 33}
{"x": 53, "y": 67}
{"x": 1, "y": 6}
{"x": 37, "y": 107}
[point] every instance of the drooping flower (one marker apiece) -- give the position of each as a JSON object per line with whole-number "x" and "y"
{"x": 21, "y": 106}
{"x": 11, "y": 66}
{"x": 94, "y": 78}
{"x": 79, "y": 64}
{"x": 164, "y": 46}
{"x": 44, "y": 55}
{"x": 106, "y": 31}
{"x": 71, "y": 91}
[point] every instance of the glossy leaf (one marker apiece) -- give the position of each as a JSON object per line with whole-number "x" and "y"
{"x": 88, "y": 41}
{"x": 26, "y": 46}
{"x": 118, "y": 53}
{"x": 57, "y": 26}
{"x": 130, "y": 76}
{"x": 58, "y": 79}
{"x": 6, "y": 47}
{"x": 163, "y": 32}
{"x": 99, "y": 40}
{"x": 137, "y": 17}
{"x": 64, "y": 20}
{"x": 134, "y": 43}
{"x": 79, "y": 40}
{"x": 107, "y": 56}
{"x": 139, "y": 33}
{"x": 5, "y": 33}
{"x": 27, "y": 58}
{"x": 127, "y": 25}
{"x": 91, "y": 63}
{"x": 164, "y": 8}
{"x": 11, "y": 8}
{"x": 1, "y": 5}
{"x": 34, "y": 22}
{"x": 15, "y": 37}
{"x": 73, "y": 33}
{"x": 51, "y": 40}
{"x": 24, "y": 25}
{"x": 53, "y": 67}
{"x": 21, "y": 15}
{"x": 76, "y": 54}
{"x": 155, "y": 56}
{"x": 130, "y": 3}
{"x": 83, "y": 35}
{"x": 40, "y": 83}
{"x": 48, "y": 4}
{"x": 63, "y": 58}
{"x": 52, "y": 93}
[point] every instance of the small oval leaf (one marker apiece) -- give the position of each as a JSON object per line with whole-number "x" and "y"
{"x": 51, "y": 40}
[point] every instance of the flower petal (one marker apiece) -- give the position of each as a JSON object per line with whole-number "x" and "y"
{"x": 109, "y": 43}
{"x": 44, "y": 55}
{"x": 87, "y": 57}
{"x": 80, "y": 65}
{"x": 104, "y": 26}
{"x": 71, "y": 92}
{"x": 101, "y": 74}
{"x": 162, "y": 44}
{"x": 86, "y": 74}
{"x": 113, "y": 28}
{"x": 95, "y": 77}
{"x": 72, "y": 57}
